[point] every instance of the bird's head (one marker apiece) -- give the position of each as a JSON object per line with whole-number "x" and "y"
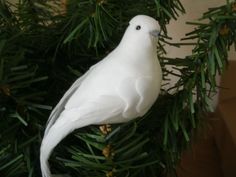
{"x": 142, "y": 31}
{"x": 144, "y": 25}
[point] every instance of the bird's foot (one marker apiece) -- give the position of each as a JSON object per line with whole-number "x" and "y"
{"x": 105, "y": 129}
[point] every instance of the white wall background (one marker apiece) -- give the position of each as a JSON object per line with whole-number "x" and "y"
{"x": 178, "y": 29}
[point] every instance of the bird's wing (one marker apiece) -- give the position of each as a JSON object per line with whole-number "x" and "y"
{"x": 60, "y": 106}
{"x": 104, "y": 109}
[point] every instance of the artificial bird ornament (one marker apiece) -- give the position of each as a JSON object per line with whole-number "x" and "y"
{"x": 121, "y": 87}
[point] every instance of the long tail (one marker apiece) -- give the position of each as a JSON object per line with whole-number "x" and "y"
{"x": 57, "y": 132}
{"x": 92, "y": 112}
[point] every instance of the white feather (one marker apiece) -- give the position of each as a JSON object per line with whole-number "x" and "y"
{"x": 75, "y": 118}
{"x": 123, "y": 86}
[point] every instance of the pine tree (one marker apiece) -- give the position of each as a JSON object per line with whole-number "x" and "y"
{"x": 45, "y": 46}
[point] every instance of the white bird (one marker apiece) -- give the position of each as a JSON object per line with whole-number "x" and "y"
{"x": 121, "y": 87}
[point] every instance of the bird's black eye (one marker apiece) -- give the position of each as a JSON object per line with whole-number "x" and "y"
{"x": 138, "y": 27}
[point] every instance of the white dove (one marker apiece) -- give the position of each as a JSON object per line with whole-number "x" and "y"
{"x": 121, "y": 87}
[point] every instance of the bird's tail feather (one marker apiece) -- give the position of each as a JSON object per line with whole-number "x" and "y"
{"x": 56, "y": 133}
{"x": 91, "y": 113}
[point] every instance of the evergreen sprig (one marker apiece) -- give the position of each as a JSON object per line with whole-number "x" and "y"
{"x": 40, "y": 47}
{"x": 37, "y": 40}
{"x": 187, "y": 103}
{"x": 197, "y": 72}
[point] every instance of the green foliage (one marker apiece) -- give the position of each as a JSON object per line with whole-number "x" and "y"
{"x": 197, "y": 82}
{"x": 42, "y": 44}
{"x": 100, "y": 155}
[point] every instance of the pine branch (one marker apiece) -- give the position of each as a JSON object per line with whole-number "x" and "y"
{"x": 188, "y": 102}
{"x": 42, "y": 50}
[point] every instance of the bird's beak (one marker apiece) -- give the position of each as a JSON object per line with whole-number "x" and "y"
{"x": 155, "y": 33}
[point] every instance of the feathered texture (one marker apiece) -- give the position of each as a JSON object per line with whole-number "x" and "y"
{"x": 57, "y": 132}
{"x": 60, "y": 106}
{"x": 123, "y": 86}
{"x": 74, "y": 119}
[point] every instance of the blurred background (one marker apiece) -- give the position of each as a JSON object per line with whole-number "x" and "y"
{"x": 213, "y": 154}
